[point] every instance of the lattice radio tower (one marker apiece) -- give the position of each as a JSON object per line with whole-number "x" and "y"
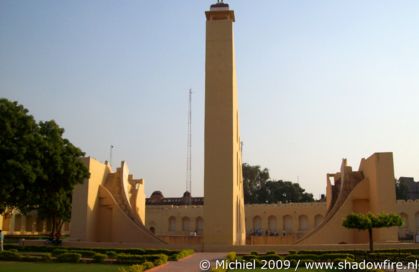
{"x": 189, "y": 147}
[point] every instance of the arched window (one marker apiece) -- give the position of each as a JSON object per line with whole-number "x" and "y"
{"x": 318, "y": 219}
{"x": 18, "y": 222}
{"x": 6, "y": 222}
{"x": 29, "y": 223}
{"x": 153, "y": 230}
{"x": 272, "y": 224}
{"x": 199, "y": 225}
{"x": 303, "y": 223}
{"x": 405, "y": 219}
{"x": 287, "y": 223}
{"x": 172, "y": 224}
{"x": 186, "y": 224}
{"x": 257, "y": 224}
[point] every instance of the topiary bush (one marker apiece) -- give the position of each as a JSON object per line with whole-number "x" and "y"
{"x": 231, "y": 256}
{"x": 147, "y": 265}
{"x": 69, "y": 258}
{"x": 85, "y": 253}
{"x": 181, "y": 254}
{"x": 111, "y": 254}
{"x": 269, "y": 257}
{"x": 9, "y": 255}
{"x": 139, "y": 259}
{"x": 99, "y": 257}
{"x": 132, "y": 268}
{"x": 59, "y": 251}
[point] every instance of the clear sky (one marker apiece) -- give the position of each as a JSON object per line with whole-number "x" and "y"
{"x": 318, "y": 81}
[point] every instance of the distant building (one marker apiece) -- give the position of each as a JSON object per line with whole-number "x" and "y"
{"x": 157, "y": 198}
{"x": 411, "y": 186}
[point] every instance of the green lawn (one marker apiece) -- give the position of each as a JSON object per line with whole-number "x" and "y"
{"x": 56, "y": 267}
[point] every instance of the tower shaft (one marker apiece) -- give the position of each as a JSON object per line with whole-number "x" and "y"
{"x": 223, "y": 182}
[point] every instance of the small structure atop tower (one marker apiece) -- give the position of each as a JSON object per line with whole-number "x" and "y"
{"x": 220, "y": 11}
{"x": 219, "y": 5}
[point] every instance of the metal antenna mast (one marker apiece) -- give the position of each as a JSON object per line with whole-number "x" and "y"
{"x": 189, "y": 147}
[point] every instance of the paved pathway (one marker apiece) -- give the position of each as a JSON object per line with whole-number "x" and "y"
{"x": 191, "y": 263}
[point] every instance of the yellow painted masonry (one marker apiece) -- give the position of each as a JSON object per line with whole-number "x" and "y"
{"x": 370, "y": 189}
{"x": 107, "y": 209}
{"x": 289, "y": 217}
{"x": 223, "y": 186}
{"x": 110, "y": 207}
{"x": 292, "y": 220}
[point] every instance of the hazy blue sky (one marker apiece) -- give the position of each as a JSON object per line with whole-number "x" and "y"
{"x": 318, "y": 81}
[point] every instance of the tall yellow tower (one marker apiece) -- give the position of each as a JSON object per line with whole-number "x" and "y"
{"x": 223, "y": 182}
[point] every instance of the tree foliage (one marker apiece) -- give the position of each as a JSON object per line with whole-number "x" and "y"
{"x": 402, "y": 190}
{"x": 40, "y": 167}
{"x": 20, "y": 163}
{"x": 259, "y": 188}
{"x": 371, "y": 221}
{"x": 62, "y": 170}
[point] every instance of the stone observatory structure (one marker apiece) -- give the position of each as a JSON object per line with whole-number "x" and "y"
{"x": 370, "y": 189}
{"x": 223, "y": 182}
{"x": 110, "y": 207}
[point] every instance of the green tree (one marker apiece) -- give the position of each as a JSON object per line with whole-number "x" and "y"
{"x": 62, "y": 170}
{"x": 401, "y": 190}
{"x": 254, "y": 182}
{"x": 39, "y": 168}
{"x": 371, "y": 221}
{"x": 259, "y": 188}
{"x": 20, "y": 159}
{"x": 286, "y": 191}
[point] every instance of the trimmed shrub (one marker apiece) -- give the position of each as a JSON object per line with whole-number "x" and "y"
{"x": 69, "y": 258}
{"x": 111, "y": 254}
{"x": 43, "y": 257}
{"x": 271, "y": 253}
{"x": 30, "y": 258}
{"x": 181, "y": 254}
{"x": 134, "y": 251}
{"x": 320, "y": 257}
{"x": 147, "y": 265}
{"x": 333, "y": 256}
{"x": 341, "y": 260}
{"x": 271, "y": 257}
{"x": 379, "y": 257}
{"x": 302, "y": 256}
{"x": 136, "y": 268}
{"x": 85, "y": 253}
{"x": 99, "y": 257}
{"x": 59, "y": 251}
{"x": 159, "y": 262}
{"x": 139, "y": 259}
{"x": 250, "y": 257}
{"x": 231, "y": 256}
{"x": 132, "y": 268}
{"x": 9, "y": 255}
{"x": 412, "y": 258}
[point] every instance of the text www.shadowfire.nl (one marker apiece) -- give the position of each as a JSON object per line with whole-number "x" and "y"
{"x": 286, "y": 264}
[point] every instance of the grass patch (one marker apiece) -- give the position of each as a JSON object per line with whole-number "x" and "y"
{"x": 56, "y": 267}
